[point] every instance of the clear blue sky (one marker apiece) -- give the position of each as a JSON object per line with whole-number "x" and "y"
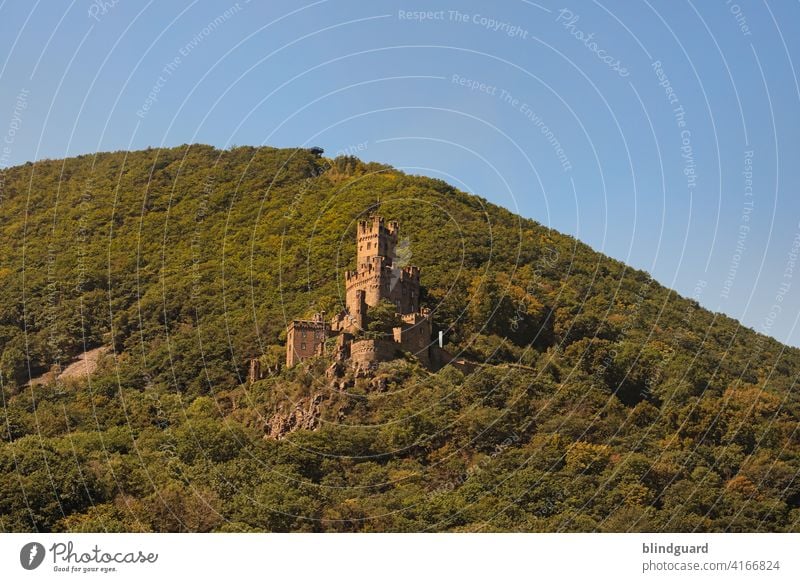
{"x": 565, "y": 113}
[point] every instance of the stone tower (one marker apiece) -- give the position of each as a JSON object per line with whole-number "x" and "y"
{"x": 306, "y": 338}
{"x": 375, "y": 239}
{"x": 376, "y": 276}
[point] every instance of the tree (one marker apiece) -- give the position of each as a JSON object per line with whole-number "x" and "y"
{"x": 383, "y": 318}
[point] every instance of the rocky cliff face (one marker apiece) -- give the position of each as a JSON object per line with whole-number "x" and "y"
{"x": 306, "y": 412}
{"x": 303, "y": 414}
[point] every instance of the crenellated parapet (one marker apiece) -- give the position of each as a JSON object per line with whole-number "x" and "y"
{"x": 376, "y": 238}
{"x": 365, "y": 354}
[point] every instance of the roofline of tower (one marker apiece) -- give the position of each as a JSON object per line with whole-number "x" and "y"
{"x": 392, "y": 226}
{"x": 306, "y": 323}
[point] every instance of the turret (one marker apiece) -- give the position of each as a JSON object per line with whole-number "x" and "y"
{"x": 375, "y": 238}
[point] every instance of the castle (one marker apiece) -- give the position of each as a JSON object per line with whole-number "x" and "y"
{"x": 377, "y": 277}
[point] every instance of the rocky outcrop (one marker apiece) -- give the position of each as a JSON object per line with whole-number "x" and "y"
{"x": 304, "y": 415}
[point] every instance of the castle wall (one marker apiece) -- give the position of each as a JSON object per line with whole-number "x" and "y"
{"x": 415, "y": 336}
{"x": 366, "y": 353}
{"x": 400, "y": 286}
{"x": 440, "y": 358}
{"x": 405, "y": 292}
{"x": 343, "y": 343}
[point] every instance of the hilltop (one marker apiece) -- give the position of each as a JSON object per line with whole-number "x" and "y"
{"x": 601, "y": 400}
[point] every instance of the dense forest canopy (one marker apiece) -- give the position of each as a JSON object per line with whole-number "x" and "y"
{"x": 602, "y": 401}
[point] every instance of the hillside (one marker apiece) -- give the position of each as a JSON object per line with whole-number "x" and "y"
{"x": 603, "y": 401}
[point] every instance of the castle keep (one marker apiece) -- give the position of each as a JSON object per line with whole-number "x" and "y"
{"x": 377, "y": 277}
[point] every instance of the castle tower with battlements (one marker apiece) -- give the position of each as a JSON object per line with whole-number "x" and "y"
{"x": 375, "y": 238}
{"x": 377, "y": 276}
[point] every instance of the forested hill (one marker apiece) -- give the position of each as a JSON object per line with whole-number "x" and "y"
{"x": 603, "y": 401}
